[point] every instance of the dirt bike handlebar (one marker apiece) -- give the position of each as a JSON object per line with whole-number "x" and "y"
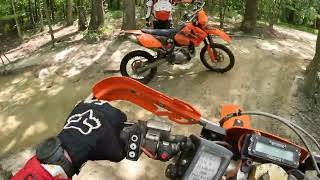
{"x": 153, "y": 138}
{"x": 198, "y": 5}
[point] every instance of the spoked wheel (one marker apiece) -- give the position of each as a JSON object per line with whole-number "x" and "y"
{"x": 223, "y": 58}
{"x": 132, "y": 63}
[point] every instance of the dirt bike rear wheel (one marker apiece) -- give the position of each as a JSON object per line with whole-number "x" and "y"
{"x": 139, "y": 59}
{"x": 218, "y": 49}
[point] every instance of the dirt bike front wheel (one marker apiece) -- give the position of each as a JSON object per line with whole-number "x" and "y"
{"x": 223, "y": 58}
{"x": 134, "y": 60}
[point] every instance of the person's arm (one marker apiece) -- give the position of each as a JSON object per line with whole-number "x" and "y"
{"x": 91, "y": 132}
{"x": 33, "y": 169}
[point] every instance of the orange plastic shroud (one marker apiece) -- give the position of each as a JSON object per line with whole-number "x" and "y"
{"x": 236, "y": 132}
{"x": 123, "y": 88}
{"x": 202, "y": 17}
{"x": 149, "y": 41}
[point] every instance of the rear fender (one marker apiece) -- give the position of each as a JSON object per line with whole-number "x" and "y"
{"x": 123, "y": 88}
{"x": 146, "y": 40}
{"x": 131, "y": 35}
{"x": 240, "y": 121}
{"x": 221, "y": 34}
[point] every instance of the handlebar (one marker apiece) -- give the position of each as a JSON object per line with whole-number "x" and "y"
{"x": 197, "y": 6}
{"x": 153, "y": 138}
{"x": 191, "y": 154}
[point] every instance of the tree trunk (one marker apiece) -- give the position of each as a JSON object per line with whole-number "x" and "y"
{"x": 69, "y": 12}
{"x": 36, "y": 9}
{"x": 129, "y": 15}
{"x": 82, "y": 24}
{"x": 221, "y": 13}
{"x": 16, "y": 18}
{"x": 317, "y": 24}
{"x": 46, "y": 11}
{"x": 52, "y": 9}
{"x": 100, "y": 13}
{"x": 93, "y": 25}
{"x": 274, "y": 13}
{"x": 97, "y": 15}
{"x": 32, "y": 21}
{"x": 41, "y": 15}
{"x": 250, "y": 16}
{"x": 312, "y": 80}
{"x": 64, "y": 10}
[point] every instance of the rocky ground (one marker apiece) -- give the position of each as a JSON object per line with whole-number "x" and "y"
{"x": 41, "y": 90}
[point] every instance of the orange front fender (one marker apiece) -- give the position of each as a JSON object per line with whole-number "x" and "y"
{"x": 123, "y": 88}
{"x": 220, "y": 33}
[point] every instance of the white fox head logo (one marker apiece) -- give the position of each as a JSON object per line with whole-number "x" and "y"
{"x": 84, "y": 122}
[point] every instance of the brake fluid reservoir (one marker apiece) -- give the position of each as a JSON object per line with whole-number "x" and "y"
{"x": 268, "y": 171}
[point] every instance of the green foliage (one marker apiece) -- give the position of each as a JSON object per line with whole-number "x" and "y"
{"x": 91, "y": 36}
{"x": 114, "y": 14}
{"x": 300, "y": 13}
{"x": 5, "y": 8}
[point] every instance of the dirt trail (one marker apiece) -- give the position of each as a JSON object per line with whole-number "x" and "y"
{"x": 35, "y": 99}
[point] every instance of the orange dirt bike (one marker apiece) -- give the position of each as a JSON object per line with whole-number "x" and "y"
{"x": 177, "y": 46}
{"x": 227, "y": 149}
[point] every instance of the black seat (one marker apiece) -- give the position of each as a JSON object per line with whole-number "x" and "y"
{"x": 163, "y": 32}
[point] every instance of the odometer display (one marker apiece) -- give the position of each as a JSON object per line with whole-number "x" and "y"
{"x": 275, "y": 151}
{"x": 270, "y": 150}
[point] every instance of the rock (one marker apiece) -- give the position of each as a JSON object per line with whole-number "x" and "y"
{"x": 43, "y": 73}
{"x": 76, "y": 80}
{"x": 297, "y": 83}
{"x": 49, "y": 84}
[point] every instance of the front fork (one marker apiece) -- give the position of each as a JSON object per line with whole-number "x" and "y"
{"x": 209, "y": 44}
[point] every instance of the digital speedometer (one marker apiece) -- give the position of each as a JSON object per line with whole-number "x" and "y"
{"x": 267, "y": 149}
{"x": 275, "y": 152}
